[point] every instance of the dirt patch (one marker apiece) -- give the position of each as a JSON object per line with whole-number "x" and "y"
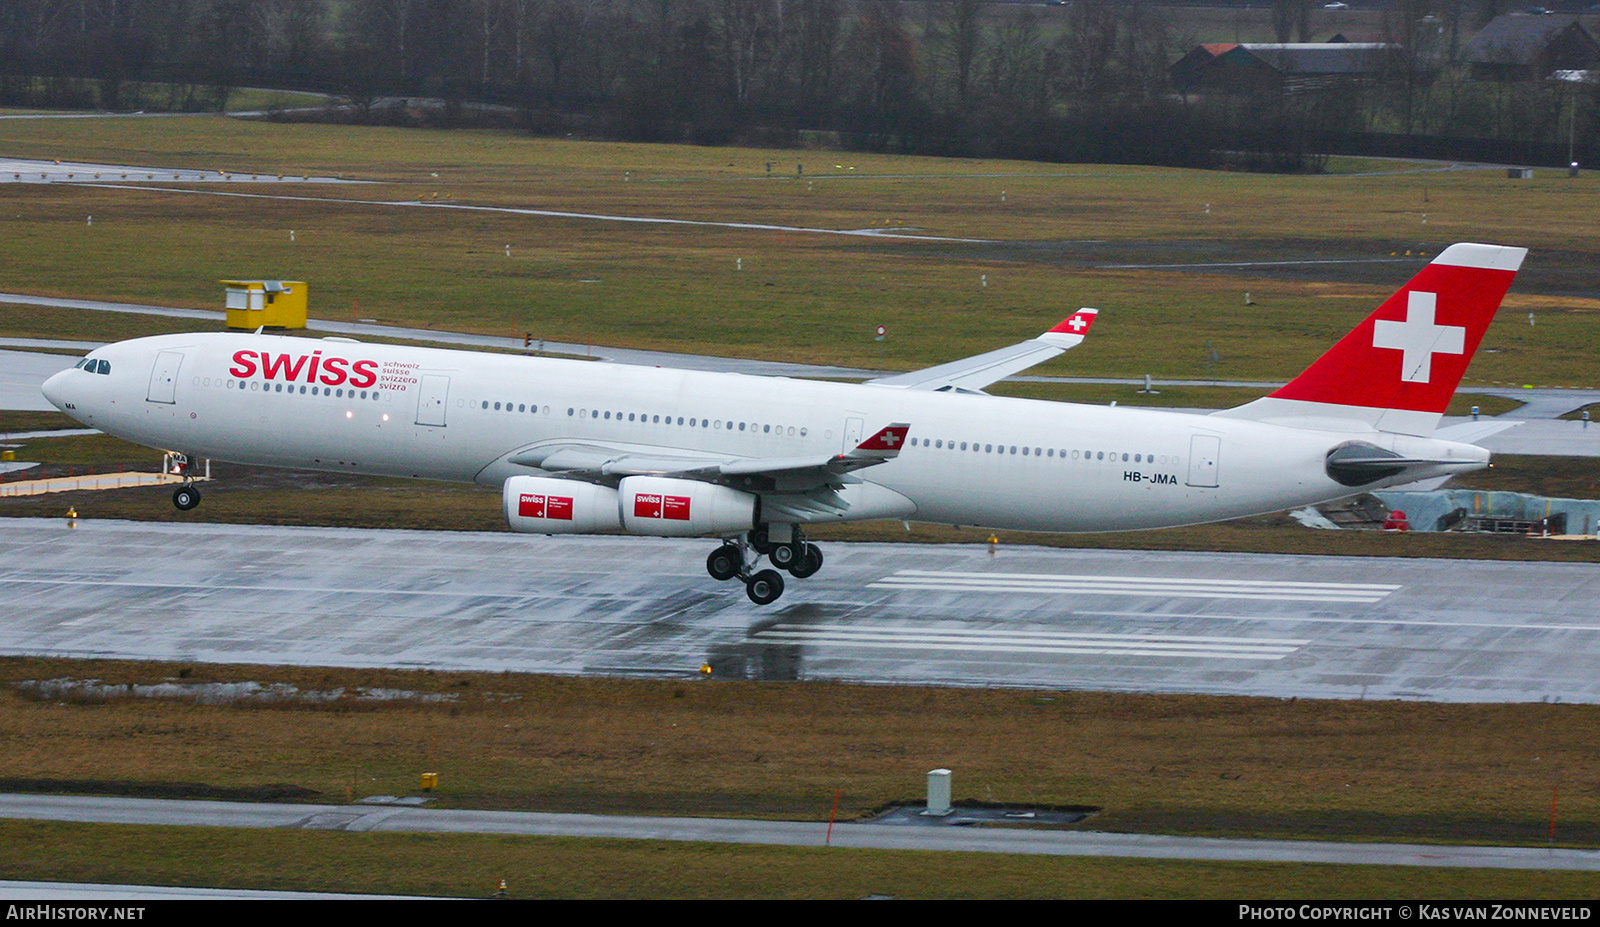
{"x": 189, "y": 790}
{"x": 1382, "y": 263}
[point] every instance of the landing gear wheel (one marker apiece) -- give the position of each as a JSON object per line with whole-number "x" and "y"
{"x": 725, "y": 562}
{"x": 764, "y": 587}
{"x": 807, "y": 565}
{"x": 758, "y": 540}
{"x": 785, "y": 556}
{"x": 185, "y": 498}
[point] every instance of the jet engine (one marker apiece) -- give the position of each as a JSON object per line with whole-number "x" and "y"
{"x": 668, "y": 507}
{"x": 541, "y": 505}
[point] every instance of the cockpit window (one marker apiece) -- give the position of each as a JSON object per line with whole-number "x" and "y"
{"x": 104, "y": 366}
{"x": 80, "y": 363}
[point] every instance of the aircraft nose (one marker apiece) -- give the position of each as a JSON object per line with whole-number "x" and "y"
{"x": 55, "y": 389}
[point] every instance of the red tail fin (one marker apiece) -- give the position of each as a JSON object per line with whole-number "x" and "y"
{"x": 1398, "y": 369}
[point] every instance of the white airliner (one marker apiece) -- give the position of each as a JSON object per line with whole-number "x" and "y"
{"x": 583, "y": 447}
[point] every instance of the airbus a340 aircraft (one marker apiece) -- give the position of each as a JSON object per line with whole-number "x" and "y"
{"x": 581, "y": 447}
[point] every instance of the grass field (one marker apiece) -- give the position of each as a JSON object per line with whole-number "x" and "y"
{"x": 1235, "y": 767}
{"x": 799, "y": 296}
{"x": 1378, "y": 771}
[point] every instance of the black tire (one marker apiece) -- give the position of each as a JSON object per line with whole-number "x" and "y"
{"x": 758, "y": 540}
{"x": 724, "y": 563}
{"x": 185, "y": 498}
{"x": 764, "y": 587}
{"x": 785, "y": 556}
{"x": 809, "y": 564}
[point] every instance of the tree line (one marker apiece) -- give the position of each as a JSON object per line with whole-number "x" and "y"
{"x": 1085, "y": 81}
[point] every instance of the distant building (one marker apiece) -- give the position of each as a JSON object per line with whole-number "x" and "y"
{"x": 1520, "y": 47}
{"x": 1290, "y": 67}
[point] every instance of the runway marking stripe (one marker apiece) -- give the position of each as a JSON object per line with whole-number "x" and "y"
{"x": 1153, "y": 650}
{"x": 1259, "y": 590}
{"x": 1081, "y": 651}
{"x": 1089, "y": 590}
{"x": 1315, "y": 619}
{"x": 1030, "y": 635}
{"x": 1091, "y": 644}
{"x": 1068, "y": 577}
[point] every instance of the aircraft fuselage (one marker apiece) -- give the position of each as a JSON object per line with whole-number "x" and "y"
{"x": 338, "y": 405}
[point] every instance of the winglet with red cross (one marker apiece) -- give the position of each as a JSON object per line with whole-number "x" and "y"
{"x": 885, "y": 444}
{"x": 1069, "y": 332}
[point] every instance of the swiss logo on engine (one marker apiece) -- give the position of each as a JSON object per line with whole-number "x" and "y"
{"x": 655, "y": 505}
{"x": 532, "y": 505}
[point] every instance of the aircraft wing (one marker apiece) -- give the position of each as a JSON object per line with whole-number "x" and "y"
{"x": 974, "y": 373}
{"x": 602, "y": 464}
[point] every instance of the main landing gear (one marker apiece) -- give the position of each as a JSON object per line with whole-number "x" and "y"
{"x": 738, "y": 557}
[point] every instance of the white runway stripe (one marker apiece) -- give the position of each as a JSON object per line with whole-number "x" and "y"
{"x": 1182, "y": 587}
{"x": 1043, "y": 642}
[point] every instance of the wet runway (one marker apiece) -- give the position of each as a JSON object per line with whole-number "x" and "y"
{"x": 1247, "y": 624}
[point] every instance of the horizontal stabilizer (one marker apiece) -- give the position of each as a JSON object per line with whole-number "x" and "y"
{"x": 1473, "y": 432}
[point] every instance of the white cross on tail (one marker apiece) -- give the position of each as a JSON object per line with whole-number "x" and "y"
{"x": 1419, "y": 338}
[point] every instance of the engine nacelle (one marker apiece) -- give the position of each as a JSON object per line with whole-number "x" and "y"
{"x": 541, "y": 505}
{"x": 666, "y": 507}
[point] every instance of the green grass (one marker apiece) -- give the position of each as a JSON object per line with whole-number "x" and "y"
{"x": 14, "y": 421}
{"x": 799, "y": 296}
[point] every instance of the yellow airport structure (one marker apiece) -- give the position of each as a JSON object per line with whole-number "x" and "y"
{"x": 272, "y": 303}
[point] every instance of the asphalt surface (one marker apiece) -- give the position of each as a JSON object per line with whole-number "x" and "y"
{"x": 1138, "y": 621}
{"x": 1007, "y": 840}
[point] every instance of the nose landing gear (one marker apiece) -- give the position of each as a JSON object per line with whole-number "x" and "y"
{"x": 740, "y": 555}
{"x": 187, "y": 496}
